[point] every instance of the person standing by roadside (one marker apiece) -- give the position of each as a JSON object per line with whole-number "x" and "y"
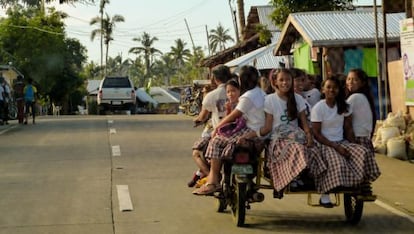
{"x": 18, "y": 87}
{"x": 29, "y": 98}
{"x": 6, "y": 99}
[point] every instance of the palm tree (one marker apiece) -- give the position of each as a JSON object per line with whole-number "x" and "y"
{"x": 108, "y": 26}
{"x": 180, "y": 54}
{"x": 101, "y": 11}
{"x": 117, "y": 66}
{"x": 149, "y": 52}
{"x": 218, "y": 38}
{"x": 165, "y": 67}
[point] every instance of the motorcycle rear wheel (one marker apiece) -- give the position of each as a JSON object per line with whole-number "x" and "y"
{"x": 239, "y": 204}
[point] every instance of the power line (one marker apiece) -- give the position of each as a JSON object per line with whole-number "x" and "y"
{"x": 35, "y": 28}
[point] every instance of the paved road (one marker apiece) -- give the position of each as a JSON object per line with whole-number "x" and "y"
{"x": 62, "y": 176}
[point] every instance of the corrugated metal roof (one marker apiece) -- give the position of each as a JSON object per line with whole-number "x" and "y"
{"x": 339, "y": 28}
{"x": 264, "y": 13}
{"x": 161, "y": 95}
{"x": 92, "y": 87}
{"x": 261, "y": 58}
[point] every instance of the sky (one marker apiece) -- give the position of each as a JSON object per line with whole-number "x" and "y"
{"x": 164, "y": 19}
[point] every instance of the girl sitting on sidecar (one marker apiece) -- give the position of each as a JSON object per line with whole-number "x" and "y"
{"x": 284, "y": 110}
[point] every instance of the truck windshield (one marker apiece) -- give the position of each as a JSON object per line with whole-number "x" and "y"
{"x": 116, "y": 83}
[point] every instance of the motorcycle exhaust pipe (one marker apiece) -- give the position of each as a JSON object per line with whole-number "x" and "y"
{"x": 258, "y": 197}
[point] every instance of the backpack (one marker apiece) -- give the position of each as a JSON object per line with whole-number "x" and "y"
{"x": 29, "y": 94}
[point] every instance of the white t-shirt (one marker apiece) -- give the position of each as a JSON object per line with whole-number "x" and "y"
{"x": 214, "y": 102}
{"x": 332, "y": 123}
{"x": 251, "y": 104}
{"x": 361, "y": 115}
{"x": 277, "y": 107}
{"x": 313, "y": 96}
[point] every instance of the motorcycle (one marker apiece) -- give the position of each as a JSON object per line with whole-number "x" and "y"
{"x": 238, "y": 187}
{"x": 243, "y": 177}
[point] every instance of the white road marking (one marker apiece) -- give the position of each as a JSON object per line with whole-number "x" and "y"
{"x": 110, "y": 121}
{"x": 7, "y": 129}
{"x": 112, "y": 131}
{"x": 393, "y": 210}
{"x": 116, "y": 150}
{"x": 125, "y": 203}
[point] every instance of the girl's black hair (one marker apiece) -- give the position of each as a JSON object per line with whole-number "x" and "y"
{"x": 292, "y": 110}
{"x": 249, "y": 78}
{"x": 365, "y": 89}
{"x": 233, "y": 82}
{"x": 340, "y": 100}
{"x": 296, "y": 72}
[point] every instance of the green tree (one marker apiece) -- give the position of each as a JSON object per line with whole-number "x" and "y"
{"x": 136, "y": 71}
{"x": 193, "y": 70}
{"x": 92, "y": 71}
{"x": 180, "y": 54}
{"x": 164, "y": 69}
{"x": 265, "y": 36}
{"x": 118, "y": 67}
{"x": 149, "y": 52}
{"x": 41, "y": 51}
{"x": 218, "y": 38}
{"x": 101, "y": 12}
{"x": 284, "y": 7}
{"x": 108, "y": 26}
{"x": 38, "y": 3}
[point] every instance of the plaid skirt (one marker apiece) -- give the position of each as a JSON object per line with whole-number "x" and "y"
{"x": 286, "y": 161}
{"x": 372, "y": 171}
{"x": 201, "y": 144}
{"x": 218, "y": 147}
{"x": 341, "y": 172}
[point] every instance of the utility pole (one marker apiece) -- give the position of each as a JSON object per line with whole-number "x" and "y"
{"x": 378, "y": 60}
{"x": 233, "y": 16}
{"x": 191, "y": 37}
{"x": 208, "y": 42}
{"x": 385, "y": 56}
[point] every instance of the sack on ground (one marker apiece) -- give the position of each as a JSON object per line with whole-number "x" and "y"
{"x": 396, "y": 148}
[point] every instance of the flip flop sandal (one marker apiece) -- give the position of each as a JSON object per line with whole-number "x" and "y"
{"x": 201, "y": 182}
{"x": 207, "y": 189}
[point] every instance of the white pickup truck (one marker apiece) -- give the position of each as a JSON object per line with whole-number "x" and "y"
{"x": 116, "y": 93}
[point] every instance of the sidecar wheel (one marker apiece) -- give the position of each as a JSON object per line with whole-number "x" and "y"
{"x": 221, "y": 205}
{"x": 353, "y": 208}
{"x": 239, "y": 206}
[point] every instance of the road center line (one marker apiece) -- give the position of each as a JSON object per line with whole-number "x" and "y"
{"x": 112, "y": 130}
{"x": 116, "y": 150}
{"x": 124, "y": 199}
{"x": 393, "y": 210}
{"x": 110, "y": 121}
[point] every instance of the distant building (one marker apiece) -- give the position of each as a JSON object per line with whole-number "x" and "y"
{"x": 9, "y": 73}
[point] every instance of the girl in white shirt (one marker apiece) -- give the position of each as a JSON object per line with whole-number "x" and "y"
{"x": 345, "y": 161}
{"x": 284, "y": 112}
{"x": 361, "y": 101}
